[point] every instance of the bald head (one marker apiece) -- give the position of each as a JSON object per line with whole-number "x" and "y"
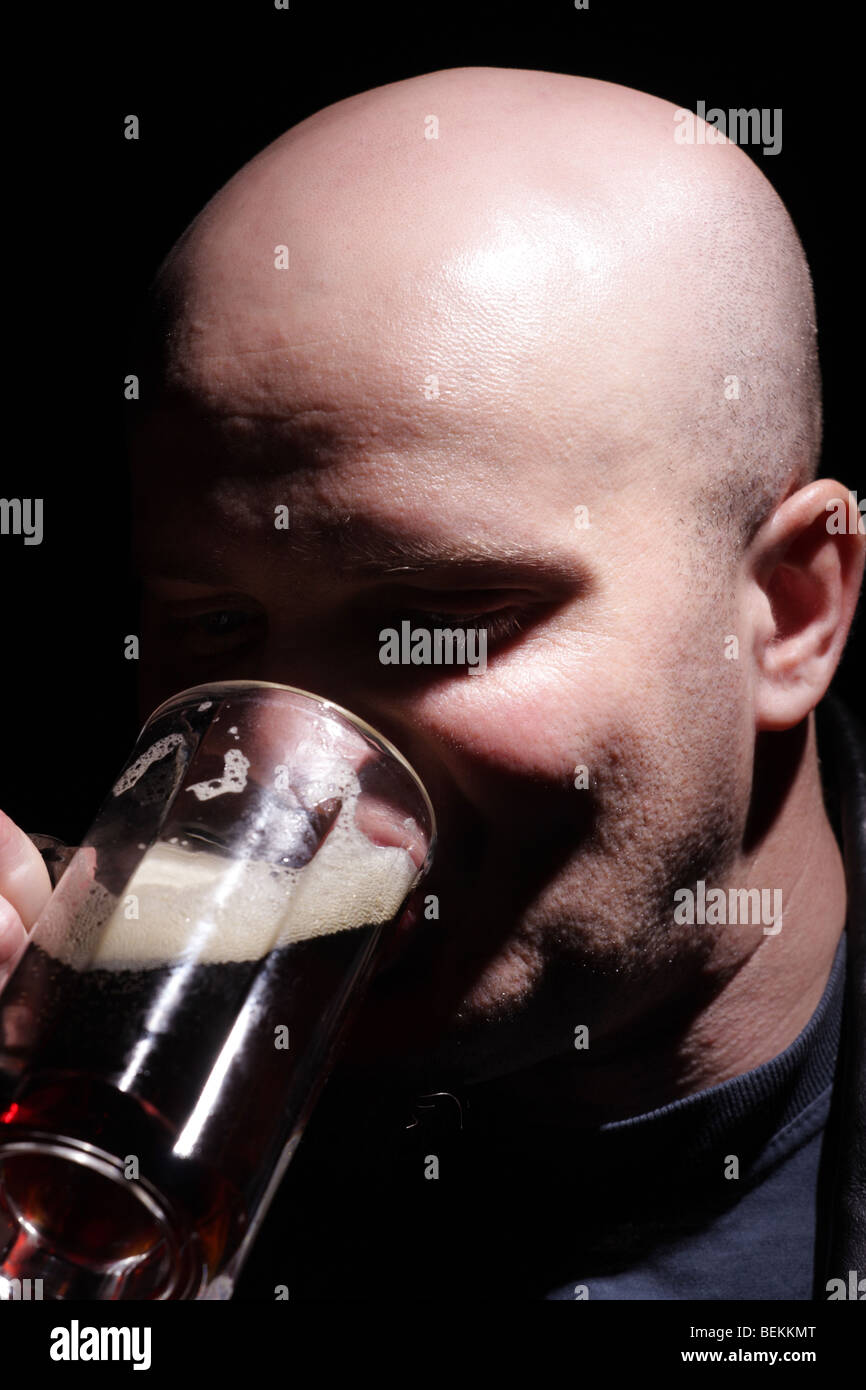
{"x": 480, "y": 232}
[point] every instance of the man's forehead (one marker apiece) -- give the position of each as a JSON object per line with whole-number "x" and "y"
{"x": 457, "y": 380}
{"x": 459, "y": 325}
{"x": 412, "y": 463}
{"x": 486, "y": 258}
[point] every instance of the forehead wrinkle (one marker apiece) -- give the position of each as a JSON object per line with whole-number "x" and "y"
{"x": 299, "y": 418}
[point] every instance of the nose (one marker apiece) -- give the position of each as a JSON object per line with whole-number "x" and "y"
{"x": 395, "y": 706}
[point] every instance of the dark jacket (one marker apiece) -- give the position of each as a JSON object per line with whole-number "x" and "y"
{"x": 841, "y": 1245}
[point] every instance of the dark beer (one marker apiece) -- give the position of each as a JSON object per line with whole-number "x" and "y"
{"x": 171, "y": 1042}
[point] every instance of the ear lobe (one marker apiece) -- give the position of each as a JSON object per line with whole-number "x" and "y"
{"x": 808, "y": 569}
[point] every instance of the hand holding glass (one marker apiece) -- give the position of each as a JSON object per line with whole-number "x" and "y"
{"x": 169, "y": 1025}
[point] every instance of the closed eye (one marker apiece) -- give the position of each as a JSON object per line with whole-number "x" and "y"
{"x": 218, "y": 624}
{"x": 216, "y": 630}
{"x": 499, "y": 624}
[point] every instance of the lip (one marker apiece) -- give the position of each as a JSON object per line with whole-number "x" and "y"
{"x": 376, "y": 821}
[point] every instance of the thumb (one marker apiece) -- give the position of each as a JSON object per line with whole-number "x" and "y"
{"x": 24, "y": 884}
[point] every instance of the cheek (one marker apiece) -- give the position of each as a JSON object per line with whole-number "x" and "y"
{"x": 640, "y": 693}
{"x": 516, "y": 720}
{"x": 533, "y": 742}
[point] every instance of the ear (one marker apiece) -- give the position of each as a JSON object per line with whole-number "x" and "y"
{"x": 806, "y": 568}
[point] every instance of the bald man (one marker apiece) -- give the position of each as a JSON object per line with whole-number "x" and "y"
{"x": 509, "y": 356}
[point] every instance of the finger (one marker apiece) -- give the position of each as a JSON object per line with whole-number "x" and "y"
{"x": 24, "y": 880}
{"x": 12, "y": 936}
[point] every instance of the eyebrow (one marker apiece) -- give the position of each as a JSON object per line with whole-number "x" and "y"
{"x": 416, "y": 557}
{"x": 362, "y": 549}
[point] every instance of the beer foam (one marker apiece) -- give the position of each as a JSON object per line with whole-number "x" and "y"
{"x": 153, "y": 754}
{"x": 195, "y": 905}
{"x": 68, "y": 934}
{"x": 234, "y": 777}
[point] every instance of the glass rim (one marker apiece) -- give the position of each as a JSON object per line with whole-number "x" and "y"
{"x": 209, "y": 689}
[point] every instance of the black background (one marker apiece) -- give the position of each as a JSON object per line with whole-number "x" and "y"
{"x": 93, "y": 214}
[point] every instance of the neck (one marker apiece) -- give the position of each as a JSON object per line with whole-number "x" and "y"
{"x": 760, "y": 990}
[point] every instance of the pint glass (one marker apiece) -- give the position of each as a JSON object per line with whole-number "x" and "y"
{"x": 167, "y": 1029}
